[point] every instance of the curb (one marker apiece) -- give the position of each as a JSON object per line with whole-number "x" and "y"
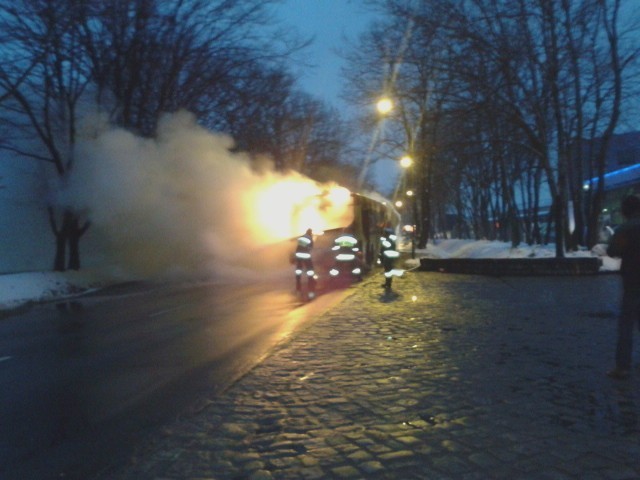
{"x": 513, "y": 266}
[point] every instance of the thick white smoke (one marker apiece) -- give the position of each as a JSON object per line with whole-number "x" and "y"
{"x": 182, "y": 203}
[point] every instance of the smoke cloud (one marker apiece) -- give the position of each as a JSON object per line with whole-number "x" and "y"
{"x": 181, "y": 203}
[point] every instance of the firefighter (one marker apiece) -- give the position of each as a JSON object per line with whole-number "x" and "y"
{"x": 388, "y": 256}
{"x": 346, "y": 261}
{"x": 304, "y": 263}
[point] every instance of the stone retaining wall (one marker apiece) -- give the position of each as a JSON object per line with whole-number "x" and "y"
{"x": 513, "y": 266}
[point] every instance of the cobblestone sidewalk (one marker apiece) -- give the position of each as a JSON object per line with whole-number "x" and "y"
{"x": 455, "y": 377}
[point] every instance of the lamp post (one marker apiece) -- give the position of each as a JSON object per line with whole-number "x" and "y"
{"x": 406, "y": 162}
{"x": 383, "y": 106}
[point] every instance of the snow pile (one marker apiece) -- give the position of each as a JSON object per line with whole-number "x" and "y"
{"x": 493, "y": 249}
{"x": 21, "y": 288}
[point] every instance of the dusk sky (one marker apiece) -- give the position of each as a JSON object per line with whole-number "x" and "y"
{"x": 333, "y": 24}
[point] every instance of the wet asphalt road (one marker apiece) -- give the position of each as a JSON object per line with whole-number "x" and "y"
{"x": 81, "y": 381}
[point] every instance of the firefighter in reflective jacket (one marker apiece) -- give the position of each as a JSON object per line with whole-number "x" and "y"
{"x": 304, "y": 264}
{"x": 346, "y": 261}
{"x": 388, "y": 256}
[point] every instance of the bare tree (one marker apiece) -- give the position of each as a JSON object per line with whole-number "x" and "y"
{"x": 154, "y": 57}
{"x": 142, "y": 57}
{"x": 535, "y": 77}
{"x": 46, "y": 76}
{"x": 211, "y": 58}
{"x": 614, "y": 73}
{"x": 389, "y": 61}
{"x": 559, "y": 72}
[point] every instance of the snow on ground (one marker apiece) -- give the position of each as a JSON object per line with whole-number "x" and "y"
{"x": 21, "y": 288}
{"x": 491, "y": 249}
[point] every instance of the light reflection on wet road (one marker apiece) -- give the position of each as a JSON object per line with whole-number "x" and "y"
{"x": 80, "y": 380}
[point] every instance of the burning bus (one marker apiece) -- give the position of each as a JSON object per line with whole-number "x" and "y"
{"x": 347, "y": 249}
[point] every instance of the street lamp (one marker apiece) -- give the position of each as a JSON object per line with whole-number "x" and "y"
{"x": 384, "y": 105}
{"x": 406, "y": 161}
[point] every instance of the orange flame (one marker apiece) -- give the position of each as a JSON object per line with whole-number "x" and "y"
{"x": 288, "y": 207}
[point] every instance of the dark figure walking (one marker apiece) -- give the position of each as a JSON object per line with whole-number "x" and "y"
{"x": 388, "y": 256}
{"x": 304, "y": 264}
{"x": 625, "y": 243}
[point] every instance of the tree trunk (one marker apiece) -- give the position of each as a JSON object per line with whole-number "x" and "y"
{"x": 69, "y": 233}
{"x": 425, "y": 224}
{"x": 74, "y": 252}
{"x": 558, "y": 221}
{"x": 61, "y": 250}
{"x": 75, "y": 234}
{"x": 61, "y": 241}
{"x": 425, "y": 189}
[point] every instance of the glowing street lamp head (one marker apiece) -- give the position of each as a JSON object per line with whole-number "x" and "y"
{"x": 384, "y": 105}
{"x": 399, "y": 203}
{"x": 409, "y": 193}
{"x": 406, "y": 161}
